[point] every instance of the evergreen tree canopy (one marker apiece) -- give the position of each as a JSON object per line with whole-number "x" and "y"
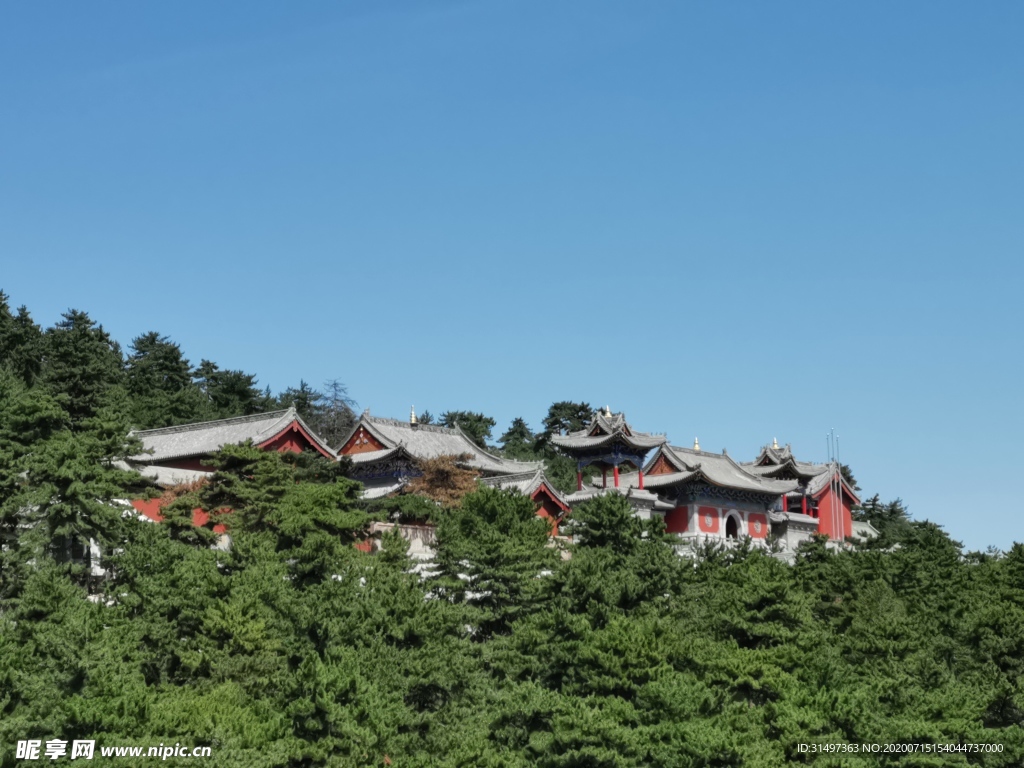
{"x": 21, "y": 342}
{"x": 83, "y": 364}
{"x": 518, "y": 442}
{"x": 159, "y": 383}
{"x": 563, "y": 417}
{"x": 476, "y": 426}
{"x": 229, "y": 393}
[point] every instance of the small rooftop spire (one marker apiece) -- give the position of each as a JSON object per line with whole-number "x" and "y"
{"x": 696, "y": 444}
{"x": 775, "y": 444}
{"x": 607, "y": 412}
{"x": 412, "y": 416}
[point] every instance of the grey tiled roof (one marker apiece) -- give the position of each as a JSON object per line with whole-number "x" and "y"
{"x": 614, "y": 428}
{"x": 587, "y": 493}
{"x": 165, "y": 477}
{"x": 368, "y": 457}
{"x": 816, "y": 477}
{"x": 819, "y": 483}
{"x": 191, "y": 440}
{"x": 717, "y": 468}
{"x": 427, "y": 441}
{"x": 796, "y": 518}
{"x": 802, "y": 469}
{"x": 590, "y": 492}
{"x": 586, "y": 441}
{"x": 380, "y": 491}
{"x": 526, "y": 483}
{"x": 632, "y": 480}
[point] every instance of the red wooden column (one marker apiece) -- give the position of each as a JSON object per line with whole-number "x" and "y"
{"x": 579, "y": 480}
{"x": 785, "y": 503}
{"x": 615, "y": 470}
{"x": 641, "y": 478}
{"x": 803, "y": 504}
{"x": 604, "y": 477}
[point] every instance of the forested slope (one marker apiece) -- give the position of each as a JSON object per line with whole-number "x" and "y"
{"x": 296, "y": 649}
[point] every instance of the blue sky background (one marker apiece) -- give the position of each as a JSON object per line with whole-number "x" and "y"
{"x": 731, "y": 220}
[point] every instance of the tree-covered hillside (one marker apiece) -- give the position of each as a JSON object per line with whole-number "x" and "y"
{"x": 294, "y": 648}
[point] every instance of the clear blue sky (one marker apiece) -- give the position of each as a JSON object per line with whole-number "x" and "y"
{"x": 732, "y": 220}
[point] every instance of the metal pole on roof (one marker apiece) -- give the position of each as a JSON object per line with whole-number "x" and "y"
{"x": 839, "y": 486}
{"x": 832, "y": 482}
{"x": 832, "y": 478}
{"x": 828, "y": 451}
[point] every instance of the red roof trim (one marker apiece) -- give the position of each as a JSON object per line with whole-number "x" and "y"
{"x": 298, "y": 428}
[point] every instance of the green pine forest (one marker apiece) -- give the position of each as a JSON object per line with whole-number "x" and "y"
{"x": 295, "y": 648}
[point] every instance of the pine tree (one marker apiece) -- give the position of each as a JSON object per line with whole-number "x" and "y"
{"x": 158, "y": 379}
{"x": 306, "y": 401}
{"x": 444, "y": 480}
{"x": 229, "y": 393}
{"x": 563, "y": 417}
{"x": 336, "y": 416}
{"x": 493, "y": 554}
{"x": 518, "y": 441}
{"x": 83, "y": 364}
{"x": 476, "y": 426}
{"x": 20, "y": 342}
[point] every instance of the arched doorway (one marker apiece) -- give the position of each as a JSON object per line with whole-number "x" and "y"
{"x": 732, "y": 527}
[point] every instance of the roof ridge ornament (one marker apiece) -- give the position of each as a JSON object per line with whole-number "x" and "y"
{"x": 775, "y": 444}
{"x": 412, "y": 416}
{"x": 696, "y": 444}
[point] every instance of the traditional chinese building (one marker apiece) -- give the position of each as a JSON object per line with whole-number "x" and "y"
{"x": 822, "y": 492}
{"x": 385, "y": 452}
{"x": 551, "y": 505}
{"x": 712, "y": 495}
{"x": 174, "y": 456}
{"x": 608, "y": 442}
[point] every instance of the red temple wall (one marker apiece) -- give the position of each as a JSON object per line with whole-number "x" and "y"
{"x": 826, "y": 524}
{"x": 151, "y": 509}
{"x": 548, "y": 508}
{"x": 708, "y": 519}
{"x": 757, "y": 525}
{"x": 678, "y": 520}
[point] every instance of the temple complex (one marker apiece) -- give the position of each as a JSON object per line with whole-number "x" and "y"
{"x": 701, "y": 495}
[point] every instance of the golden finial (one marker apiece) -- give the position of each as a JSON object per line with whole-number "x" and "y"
{"x": 607, "y": 412}
{"x": 696, "y": 444}
{"x": 412, "y": 415}
{"x": 775, "y": 444}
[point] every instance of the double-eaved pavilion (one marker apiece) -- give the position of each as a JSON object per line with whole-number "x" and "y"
{"x": 608, "y": 442}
